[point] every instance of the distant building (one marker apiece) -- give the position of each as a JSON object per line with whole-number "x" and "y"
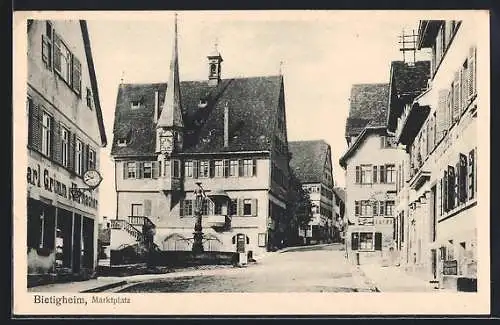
{"x": 65, "y": 134}
{"x": 438, "y": 129}
{"x": 339, "y": 222}
{"x": 228, "y": 134}
{"x": 312, "y": 164}
{"x": 370, "y": 165}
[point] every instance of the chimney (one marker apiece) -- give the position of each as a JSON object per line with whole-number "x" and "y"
{"x": 156, "y": 107}
{"x": 226, "y": 125}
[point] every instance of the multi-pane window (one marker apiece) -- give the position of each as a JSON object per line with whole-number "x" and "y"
{"x": 204, "y": 169}
{"x": 390, "y": 174}
{"x": 247, "y": 167}
{"x": 233, "y": 207}
{"x": 62, "y": 59}
{"x": 365, "y": 208}
{"x": 187, "y": 207}
{"x": 389, "y": 208}
{"x": 147, "y": 169}
{"x": 137, "y": 210}
{"x": 366, "y": 174}
{"x": 64, "y": 147}
{"x": 247, "y": 207}
{"x": 131, "y": 169}
{"x": 233, "y": 168}
{"x": 92, "y": 159}
{"x": 366, "y": 240}
{"x": 88, "y": 98}
{"x": 79, "y": 157}
{"x": 46, "y": 134}
{"x": 219, "y": 168}
{"x": 188, "y": 169}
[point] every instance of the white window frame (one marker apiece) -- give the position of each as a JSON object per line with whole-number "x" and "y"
{"x": 247, "y": 167}
{"x": 188, "y": 168}
{"x": 233, "y": 168}
{"x": 46, "y": 133}
{"x": 65, "y": 146}
{"x": 147, "y": 165}
{"x": 135, "y": 104}
{"x": 392, "y": 179}
{"x": 131, "y": 169}
{"x": 204, "y": 169}
{"x": 219, "y": 168}
{"x": 366, "y": 174}
{"x": 64, "y": 57}
{"x": 79, "y": 147}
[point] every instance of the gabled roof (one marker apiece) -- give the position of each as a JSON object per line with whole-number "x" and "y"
{"x": 308, "y": 159}
{"x": 253, "y": 104}
{"x": 368, "y": 106}
{"x": 407, "y": 82}
{"x": 382, "y": 130}
{"x": 93, "y": 81}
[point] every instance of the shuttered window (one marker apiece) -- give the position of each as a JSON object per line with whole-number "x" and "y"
{"x": 79, "y": 157}
{"x": 375, "y": 174}
{"x": 233, "y": 168}
{"x": 76, "y": 75}
{"x": 358, "y": 174}
{"x": 188, "y": 169}
{"x": 204, "y": 169}
{"x": 441, "y": 114}
{"x": 471, "y": 179}
{"x": 378, "y": 241}
{"x": 451, "y": 187}
{"x": 65, "y": 145}
{"x": 382, "y": 174}
{"x": 47, "y": 126}
{"x": 218, "y": 168}
{"x": 472, "y": 72}
{"x": 357, "y": 208}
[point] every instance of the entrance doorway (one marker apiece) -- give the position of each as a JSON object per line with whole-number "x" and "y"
{"x": 77, "y": 243}
{"x": 240, "y": 243}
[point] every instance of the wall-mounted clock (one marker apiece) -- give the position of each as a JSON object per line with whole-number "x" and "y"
{"x": 92, "y": 178}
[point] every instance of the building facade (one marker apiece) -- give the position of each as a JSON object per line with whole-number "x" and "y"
{"x": 312, "y": 164}
{"x": 65, "y": 134}
{"x": 228, "y": 134}
{"x": 439, "y": 131}
{"x": 370, "y": 173}
{"x": 340, "y": 223}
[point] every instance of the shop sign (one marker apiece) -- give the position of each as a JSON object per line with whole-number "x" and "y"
{"x": 49, "y": 181}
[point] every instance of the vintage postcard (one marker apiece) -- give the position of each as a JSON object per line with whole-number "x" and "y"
{"x": 251, "y": 163}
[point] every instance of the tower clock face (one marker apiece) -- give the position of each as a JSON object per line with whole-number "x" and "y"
{"x": 165, "y": 143}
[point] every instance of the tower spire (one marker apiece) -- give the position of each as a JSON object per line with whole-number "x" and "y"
{"x": 171, "y": 113}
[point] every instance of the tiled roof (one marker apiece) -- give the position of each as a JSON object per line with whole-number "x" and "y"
{"x": 252, "y": 102}
{"x": 382, "y": 130}
{"x": 308, "y": 159}
{"x": 408, "y": 81}
{"x": 340, "y": 192}
{"x": 368, "y": 106}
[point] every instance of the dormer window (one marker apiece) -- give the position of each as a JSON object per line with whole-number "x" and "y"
{"x": 203, "y": 103}
{"x": 122, "y": 142}
{"x": 135, "y": 104}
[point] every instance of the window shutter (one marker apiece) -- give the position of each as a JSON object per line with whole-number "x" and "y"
{"x": 195, "y": 168}
{"x": 354, "y": 241}
{"x": 37, "y": 127}
{"x": 155, "y": 169}
{"x": 358, "y": 174}
{"x": 56, "y": 141}
{"x": 382, "y": 174}
{"x": 181, "y": 208}
{"x": 233, "y": 239}
{"x": 47, "y": 51}
{"x": 375, "y": 208}
{"x": 77, "y": 75}
{"x": 382, "y": 142}
{"x": 441, "y": 114}
{"x": 254, "y": 207}
{"x": 456, "y": 97}
{"x": 226, "y": 167}
{"x": 240, "y": 167}
{"x": 472, "y": 72}
{"x": 125, "y": 171}
{"x": 138, "y": 168}
{"x": 451, "y": 187}
{"x": 445, "y": 191}
{"x": 31, "y": 118}
{"x": 472, "y": 172}
{"x": 254, "y": 167}
{"x": 240, "y": 207}
{"x": 357, "y": 208}
{"x": 211, "y": 164}
{"x": 375, "y": 172}
{"x": 72, "y": 152}
{"x": 147, "y": 208}
{"x": 378, "y": 241}
{"x": 86, "y": 160}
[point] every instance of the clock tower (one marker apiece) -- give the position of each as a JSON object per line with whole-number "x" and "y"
{"x": 214, "y": 66}
{"x": 170, "y": 126}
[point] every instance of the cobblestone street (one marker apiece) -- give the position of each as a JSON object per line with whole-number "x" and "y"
{"x": 307, "y": 269}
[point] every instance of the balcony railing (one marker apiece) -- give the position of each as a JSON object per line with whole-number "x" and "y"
{"x": 140, "y": 221}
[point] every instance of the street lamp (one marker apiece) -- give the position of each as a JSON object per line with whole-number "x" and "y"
{"x": 198, "y": 230}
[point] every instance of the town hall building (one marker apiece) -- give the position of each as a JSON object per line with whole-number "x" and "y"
{"x": 227, "y": 135}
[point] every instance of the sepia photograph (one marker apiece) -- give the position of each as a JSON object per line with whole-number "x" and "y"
{"x": 336, "y": 157}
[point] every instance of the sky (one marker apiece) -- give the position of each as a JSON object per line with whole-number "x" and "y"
{"x": 322, "y": 53}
